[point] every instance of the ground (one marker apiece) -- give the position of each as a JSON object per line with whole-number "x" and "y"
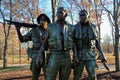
{"x": 25, "y": 74}
{"x": 22, "y": 72}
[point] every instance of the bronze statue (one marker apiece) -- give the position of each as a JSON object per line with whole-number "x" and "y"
{"x": 86, "y": 39}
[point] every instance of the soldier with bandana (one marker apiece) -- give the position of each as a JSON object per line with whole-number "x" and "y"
{"x": 86, "y": 39}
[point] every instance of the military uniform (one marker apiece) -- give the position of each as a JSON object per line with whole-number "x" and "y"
{"x": 85, "y": 38}
{"x": 36, "y": 35}
{"x": 60, "y": 44}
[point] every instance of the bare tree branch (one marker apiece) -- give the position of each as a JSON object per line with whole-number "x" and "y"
{"x": 105, "y": 8}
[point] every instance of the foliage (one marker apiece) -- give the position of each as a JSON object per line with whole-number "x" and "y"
{"x": 17, "y": 10}
{"x": 23, "y": 10}
{"x": 13, "y": 68}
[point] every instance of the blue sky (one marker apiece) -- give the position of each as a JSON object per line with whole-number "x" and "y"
{"x": 105, "y": 26}
{"x": 46, "y": 7}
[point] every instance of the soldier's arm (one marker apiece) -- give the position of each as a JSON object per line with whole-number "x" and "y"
{"x": 102, "y": 57}
{"x": 22, "y": 38}
{"x": 43, "y": 47}
{"x": 75, "y": 47}
{"x": 98, "y": 46}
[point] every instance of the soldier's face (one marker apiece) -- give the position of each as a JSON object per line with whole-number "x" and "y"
{"x": 83, "y": 16}
{"x": 43, "y": 22}
{"x": 61, "y": 14}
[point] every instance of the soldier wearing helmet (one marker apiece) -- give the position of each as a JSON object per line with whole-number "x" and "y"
{"x": 37, "y": 35}
{"x": 60, "y": 43}
{"x": 86, "y": 39}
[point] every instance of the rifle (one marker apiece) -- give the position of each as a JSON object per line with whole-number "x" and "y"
{"x": 21, "y": 24}
{"x": 39, "y": 58}
{"x": 102, "y": 57}
{"x": 105, "y": 64}
{"x": 75, "y": 57}
{"x": 75, "y": 53}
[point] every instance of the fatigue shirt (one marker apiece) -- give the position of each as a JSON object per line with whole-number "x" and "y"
{"x": 35, "y": 35}
{"x": 85, "y": 48}
{"x": 55, "y": 40}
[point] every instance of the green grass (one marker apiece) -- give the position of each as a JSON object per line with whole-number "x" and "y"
{"x": 13, "y": 68}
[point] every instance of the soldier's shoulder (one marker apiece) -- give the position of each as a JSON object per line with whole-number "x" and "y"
{"x": 51, "y": 24}
{"x": 92, "y": 24}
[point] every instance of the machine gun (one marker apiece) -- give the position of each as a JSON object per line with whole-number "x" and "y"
{"x": 39, "y": 58}
{"x": 75, "y": 53}
{"x": 75, "y": 57}
{"x": 106, "y": 66}
{"x": 103, "y": 60}
{"x": 21, "y": 24}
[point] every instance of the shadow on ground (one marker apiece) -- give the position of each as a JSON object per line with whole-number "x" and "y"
{"x": 104, "y": 76}
{"x": 20, "y": 78}
{"x": 107, "y": 76}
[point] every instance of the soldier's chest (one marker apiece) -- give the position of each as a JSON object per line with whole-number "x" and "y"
{"x": 85, "y": 32}
{"x": 38, "y": 35}
{"x": 59, "y": 30}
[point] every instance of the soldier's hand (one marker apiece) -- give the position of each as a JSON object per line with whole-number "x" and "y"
{"x": 17, "y": 27}
{"x": 75, "y": 62}
{"x": 99, "y": 57}
{"x": 102, "y": 58}
{"x": 76, "y": 58}
{"x": 39, "y": 60}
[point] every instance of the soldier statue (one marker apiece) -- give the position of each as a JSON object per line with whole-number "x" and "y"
{"x": 37, "y": 35}
{"x": 86, "y": 39}
{"x": 60, "y": 43}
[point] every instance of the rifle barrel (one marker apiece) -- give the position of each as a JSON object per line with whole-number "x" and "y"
{"x": 22, "y": 24}
{"x": 106, "y": 66}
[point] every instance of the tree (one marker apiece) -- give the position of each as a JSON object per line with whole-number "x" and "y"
{"x": 6, "y": 32}
{"x": 23, "y": 10}
{"x": 92, "y": 6}
{"x": 107, "y": 44}
{"x": 55, "y": 4}
{"x": 114, "y": 17}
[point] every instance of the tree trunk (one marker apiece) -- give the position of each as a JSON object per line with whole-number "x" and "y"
{"x": 19, "y": 52}
{"x": 4, "y": 55}
{"x": 116, "y": 48}
{"x": 53, "y": 2}
{"x": 6, "y": 37}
